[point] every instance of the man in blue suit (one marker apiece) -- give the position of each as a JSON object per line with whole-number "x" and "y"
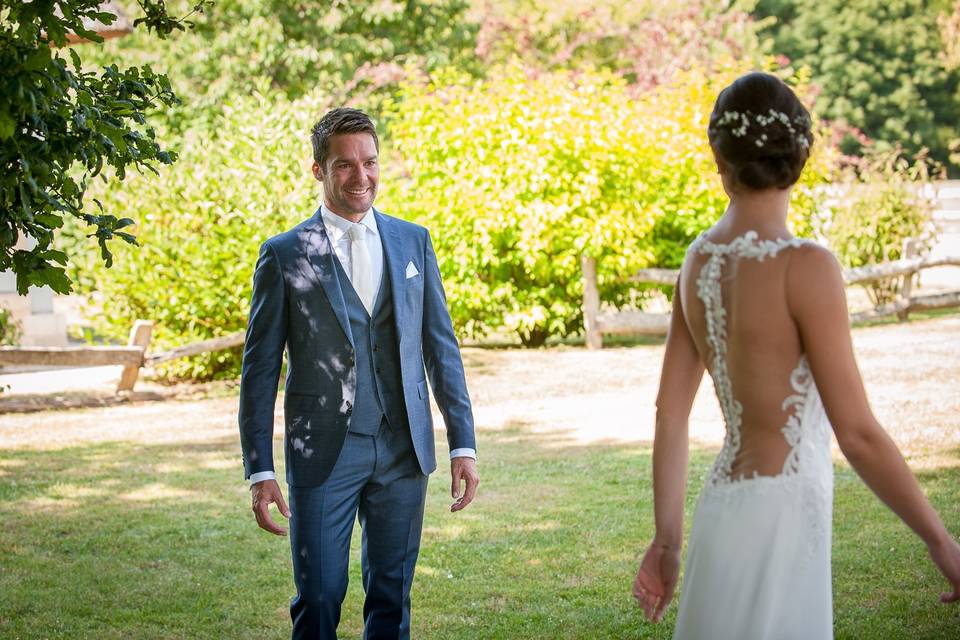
{"x": 356, "y": 299}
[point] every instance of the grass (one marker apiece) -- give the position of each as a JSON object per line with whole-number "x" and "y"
{"x": 128, "y": 540}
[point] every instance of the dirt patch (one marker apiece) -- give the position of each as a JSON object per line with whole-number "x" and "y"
{"x": 911, "y": 371}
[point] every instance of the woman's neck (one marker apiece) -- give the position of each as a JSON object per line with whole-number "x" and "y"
{"x": 762, "y": 211}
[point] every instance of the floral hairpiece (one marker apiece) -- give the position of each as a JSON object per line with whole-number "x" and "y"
{"x": 739, "y": 121}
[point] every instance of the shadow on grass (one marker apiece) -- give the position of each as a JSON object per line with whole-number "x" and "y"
{"x": 123, "y": 540}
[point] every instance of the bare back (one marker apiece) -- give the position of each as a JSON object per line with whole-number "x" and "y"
{"x": 734, "y": 298}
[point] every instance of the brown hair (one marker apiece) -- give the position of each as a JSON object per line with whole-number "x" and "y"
{"x": 761, "y": 131}
{"x": 336, "y": 122}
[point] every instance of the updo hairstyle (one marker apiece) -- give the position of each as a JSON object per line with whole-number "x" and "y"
{"x": 761, "y": 131}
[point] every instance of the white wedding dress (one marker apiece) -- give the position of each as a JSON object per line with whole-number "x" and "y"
{"x": 758, "y": 561}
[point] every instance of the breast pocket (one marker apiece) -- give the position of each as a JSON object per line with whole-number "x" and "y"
{"x": 414, "y": 285}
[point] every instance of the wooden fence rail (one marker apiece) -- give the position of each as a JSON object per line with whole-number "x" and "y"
{"x": 597, "y": 323}
{"x": 133, "y": 356}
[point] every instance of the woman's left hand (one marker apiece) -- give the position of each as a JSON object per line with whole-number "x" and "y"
{"x": 656, "y": 580}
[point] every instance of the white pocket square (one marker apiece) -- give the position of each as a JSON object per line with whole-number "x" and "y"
{"x": 412, "y": 270}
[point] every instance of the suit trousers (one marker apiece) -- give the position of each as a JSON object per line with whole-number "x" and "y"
{"x": 378, "y": 480}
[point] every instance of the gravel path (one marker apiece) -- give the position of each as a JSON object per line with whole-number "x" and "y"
{"x": 912, "y": 374}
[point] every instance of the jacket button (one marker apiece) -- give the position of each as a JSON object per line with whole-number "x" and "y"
{"x": 351, "y": 361}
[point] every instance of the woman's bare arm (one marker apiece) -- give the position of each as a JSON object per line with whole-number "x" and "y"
{"x": 815, "y": 293}
{"x": 679, "y": 380}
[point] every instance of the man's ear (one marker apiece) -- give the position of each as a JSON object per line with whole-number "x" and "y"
{"x": 317, "y": 171}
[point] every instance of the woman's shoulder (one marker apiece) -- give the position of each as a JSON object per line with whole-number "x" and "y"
{"x": 814, "y": 281}
{"x": 812, "y": 259}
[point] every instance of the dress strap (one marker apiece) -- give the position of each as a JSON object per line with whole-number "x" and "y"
{"x": 745, "y": 246}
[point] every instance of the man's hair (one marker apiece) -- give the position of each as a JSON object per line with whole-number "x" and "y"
{"x": 336, "y": 122}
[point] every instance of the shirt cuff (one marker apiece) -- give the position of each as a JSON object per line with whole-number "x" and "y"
{"x": 261, "y": 476}
{"x": 463, "y": 453}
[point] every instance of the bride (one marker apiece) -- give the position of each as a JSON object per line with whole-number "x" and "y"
{"x": 765, "y": 313}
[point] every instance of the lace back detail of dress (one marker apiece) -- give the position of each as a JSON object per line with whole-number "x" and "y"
{"x": 710, "y": 293}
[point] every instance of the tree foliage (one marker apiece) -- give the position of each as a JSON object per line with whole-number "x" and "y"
{"x": 646, "y": 43}
{"x": 351, "y": 51}
{"x": 949, "y": 23}
{"x": 879, "y": 65}
{"x": 60, "y": 125}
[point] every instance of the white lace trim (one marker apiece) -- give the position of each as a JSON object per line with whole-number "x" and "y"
{"x": 801, "y": 379}
{"x": 710, "y": 293}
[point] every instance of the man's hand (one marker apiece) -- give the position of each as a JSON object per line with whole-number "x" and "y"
{"x": 463, "y": 469}
{"x": 264, "y": 493}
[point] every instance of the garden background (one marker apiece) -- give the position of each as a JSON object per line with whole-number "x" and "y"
{"x": 525, "y": 135}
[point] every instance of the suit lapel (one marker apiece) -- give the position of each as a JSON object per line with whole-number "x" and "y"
{"x": 321, "y": 257}
{"x": 393, "y": 266}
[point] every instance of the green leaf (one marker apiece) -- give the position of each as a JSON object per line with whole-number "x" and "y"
{"x": 7, "y": 123}
{"x": 52, "y": 254}
{"x": 37, "y": 59}
{"x": 49, "y": 220}
{"x": 55, "y": 278}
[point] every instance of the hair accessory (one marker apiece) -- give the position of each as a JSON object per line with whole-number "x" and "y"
{"x": 738, "y": 122}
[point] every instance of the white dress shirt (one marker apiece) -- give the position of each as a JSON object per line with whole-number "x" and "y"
{"x": 338, "y": 229}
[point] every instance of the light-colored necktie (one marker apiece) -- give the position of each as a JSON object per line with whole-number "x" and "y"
{"x": 361, "y": 269}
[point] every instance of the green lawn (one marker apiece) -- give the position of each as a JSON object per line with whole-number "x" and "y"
{"x": 133, "y": 541}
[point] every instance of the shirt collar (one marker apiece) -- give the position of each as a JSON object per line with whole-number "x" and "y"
{"x": 337, "y": 226}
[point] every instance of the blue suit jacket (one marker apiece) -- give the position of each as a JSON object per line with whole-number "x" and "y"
{"x": 297, "y": 303}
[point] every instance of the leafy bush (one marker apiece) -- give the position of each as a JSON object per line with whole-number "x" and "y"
{"x": 884, "y": 207}
{"x": 9, "y": 328}
{"x": 520, "y": 176}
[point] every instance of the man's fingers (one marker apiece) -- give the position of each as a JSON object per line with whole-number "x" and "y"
{"x": 469, "y": 493}
{"x": 455, "y": 477}
{"x": 950, "y": 597}
{"x": 282, "y": 505}
{"x": 262, "y": 511}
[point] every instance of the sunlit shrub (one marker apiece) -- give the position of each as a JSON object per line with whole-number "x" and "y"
{"x": 521, "y": 175}
{"x": 882, "y": 207}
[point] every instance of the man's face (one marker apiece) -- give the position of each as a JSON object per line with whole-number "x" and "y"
{"x": 350, "y": 174}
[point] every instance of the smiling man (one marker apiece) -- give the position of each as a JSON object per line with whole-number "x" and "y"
{"x": 355, "y": 298}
